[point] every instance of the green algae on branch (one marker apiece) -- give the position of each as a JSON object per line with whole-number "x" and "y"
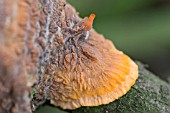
{"x": 149, "y": 94}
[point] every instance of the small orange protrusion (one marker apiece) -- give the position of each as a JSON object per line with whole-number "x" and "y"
{"x": 88, "y": 24}
{"x": 91, "y": 17}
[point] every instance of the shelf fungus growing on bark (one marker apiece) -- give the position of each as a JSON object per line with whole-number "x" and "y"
{"x": 78, "y": 66}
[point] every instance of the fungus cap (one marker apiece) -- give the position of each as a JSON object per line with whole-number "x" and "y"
{"x": 97, "y": 73}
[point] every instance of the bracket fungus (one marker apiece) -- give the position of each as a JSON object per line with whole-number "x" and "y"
{"x": 82, "y": 68}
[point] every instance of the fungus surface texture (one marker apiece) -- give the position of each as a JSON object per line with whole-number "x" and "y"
{"x": 78, "y": 67}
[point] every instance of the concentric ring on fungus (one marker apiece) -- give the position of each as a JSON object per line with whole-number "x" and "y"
{"x": 89, "y": 71}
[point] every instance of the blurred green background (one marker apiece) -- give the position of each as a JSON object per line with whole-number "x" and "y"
{"x": 140, "y": 28}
